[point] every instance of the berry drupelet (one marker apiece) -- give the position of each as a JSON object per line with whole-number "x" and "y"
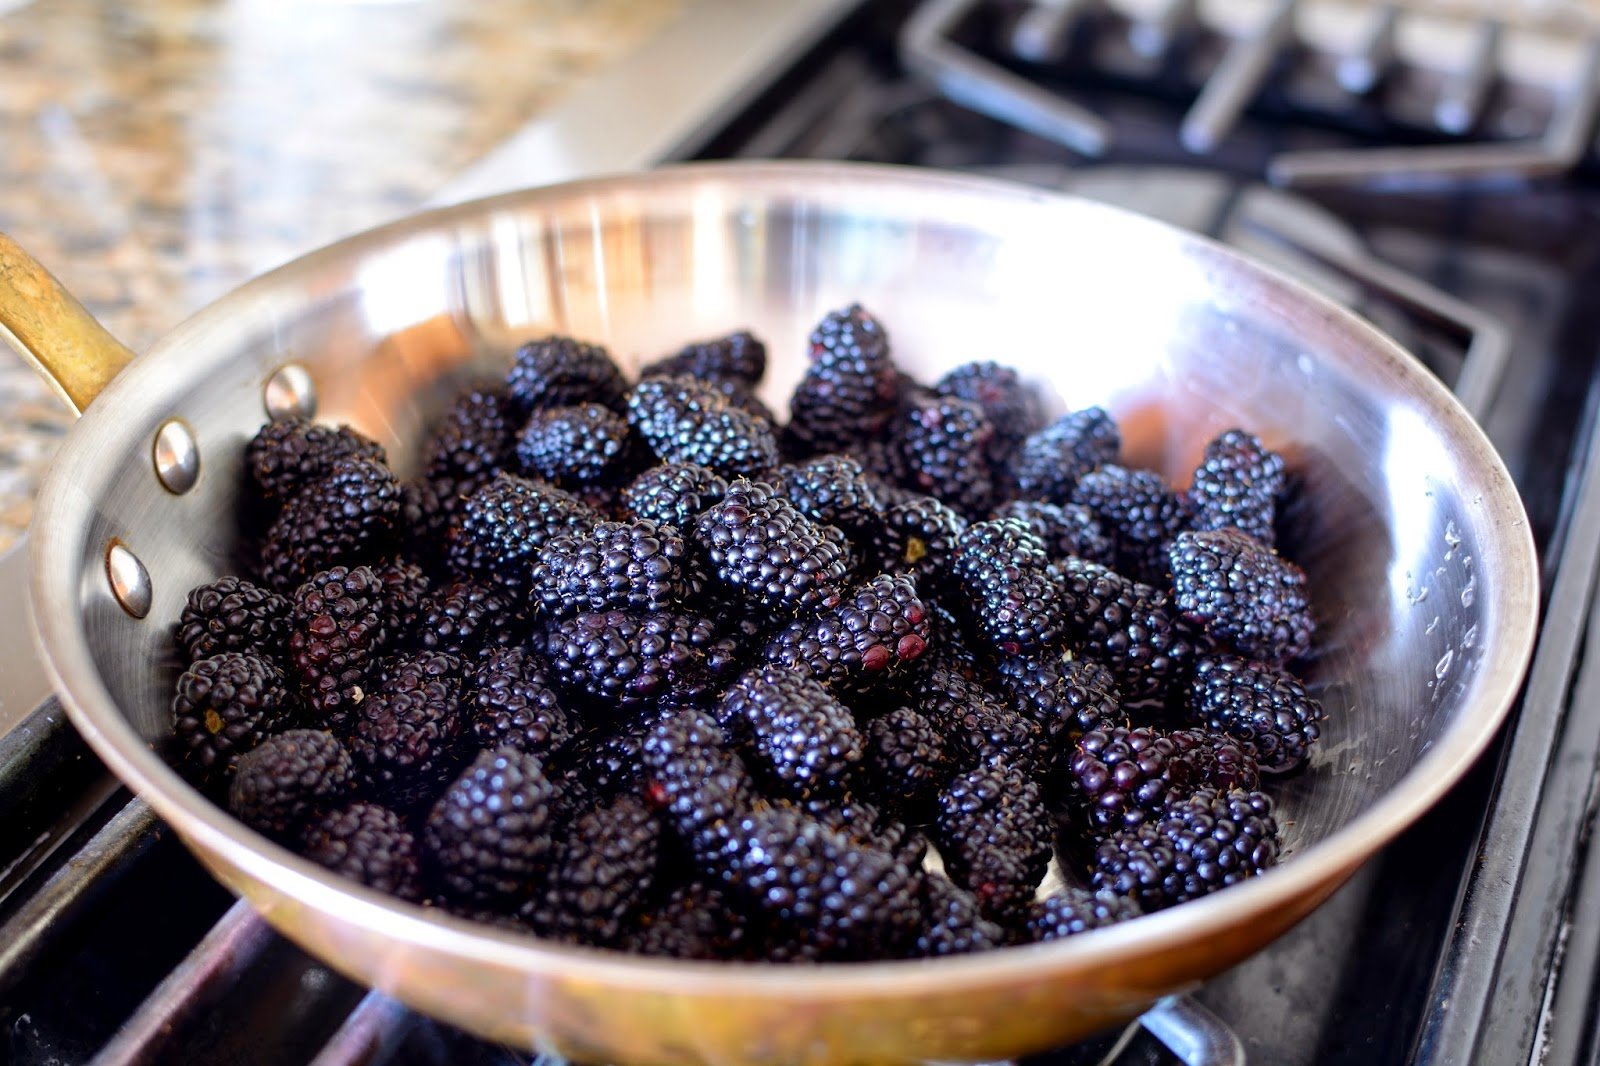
{"x": 1010, "y": 406}
{"x": 906, "y": 761}
{"x": 1006, "y": 597}
{"x": 1140, "y": 513}
{"x": 918, "y": 538}
{"x": 1265, "y": 708}
{"x": 223, "y": 707}
{"x": 687, "y": 421}
{"x": 405, "y": 592}
{"x": 507, "y": 523}
{"x": 834, "y": 490}
{"x": 292, "y": 453}
{"x": 1237, "y": 485}
{"x": 979, "y": 728}
{"x": 287, "y": 779}
{"x": 870, "y": 636}
{"x": 1048, "y": 464}
{"x": 696, "y": 921}
{"x": 1068, "y": 697}
{"x": 488, "y": 838}
{"x": 1206, "y": 842}
{"x": 994, "y": 833}
{"x": 1243, "y": 594}
{"x": 1072, "y": 910}
{"x": 693, "y": 779}
{"x": 336, "y": 636}
{"x": 1129, "y": 626}
{"x": 850, "y": 389}
{"x": 673, "y": 494}
{"x": 578, "y": 445}
{"x": 792, "y": 730}
{"x": 407, "y": 737}
{"x": 370, "y": 844}
{"x": 1064, "y": 529}
{"x": 232, "y": 614}
{"x": 944, "y": 451}
{"x": 763, "y": 550}
{"x": 629, "y": 658}
{"x": 602, "y": 872}
{"x": 510, "y": 704}
{"x": 628, "y": 565}
{"x": 1124, "y": 777}
{"x": 559, "y": 372}
{"x": 350, "y": 516}
{"x": 465, "y": 617}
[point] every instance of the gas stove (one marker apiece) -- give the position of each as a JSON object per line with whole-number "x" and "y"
{"x": 1449, "y": 194}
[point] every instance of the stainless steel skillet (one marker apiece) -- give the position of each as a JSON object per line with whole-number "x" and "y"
{"x": 1419, "y": 553}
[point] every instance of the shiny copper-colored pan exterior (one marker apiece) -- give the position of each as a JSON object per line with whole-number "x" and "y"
{"x": 1418, "y": 549}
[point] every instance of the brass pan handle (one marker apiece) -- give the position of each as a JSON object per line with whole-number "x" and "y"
{"x": 51, "y": 329}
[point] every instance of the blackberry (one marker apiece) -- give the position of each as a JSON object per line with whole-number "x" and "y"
{"x": 872, "y": 635}
{"x": 224, "y": 706}
{"x": 576, "y": 445}
{"x": 1072, "y": 910}
{"x": 954, "y": 923}
{"x": 850, "y": 389}
{"x": 1067, "y": 697}
{"x": 842, "y": 898}
{"x": 768, "y": 553}
{"x": 672, "y": 494}
{"x": 603, "y": 871}
{"x": 1063, "y": 529}
{"x": 1237, "y": 485}
{"x": 739, "y": 356}
{"x": 287, "y": 779}
{"x": 1141, "y": 514}
{"x": 834, "y": 490}
{"x": 919, "y": 536}
{"x": 292, "y": 453}
{"x": 1265, "y": 708}
{"x": 606, "y": 758}
{"x": 1010, "y": 406}
{"x": 559, "y": 371}
{"x": 510, "y": 704}
{"x": 944, "y": 446}
{"x": 696, "y": 921}
{"x": 1049, "y": 463}
{"x": 473, "y": 440}
{"x": 1208, "y": 841}
{"x": 994, "y": 834}
{"x": 369, "y": 844}
{"x": 464, "y": 617}
{"x": 742, "y": 397}
{"x": 414, "y": 669}
{"x": 626, "y": 658}
{"x": 1243, "y": 594}
{"x": 1006, "y": 597}
{"x": 348, "y": 517}
{"x": 687, "y": 421}
{"x": 868, "y": 825}
{"x": 693, "y": 779}
{"x": 1125, "y": 776}
{"x": 1129, "y": 626}
{"x": 405, "y": 592}
{"x": 336, "y": 635}
{"x": 906, "y": 760}
{"x": 407, "y": 738}
{"x": 630, "y": 565}
{"x": 506, "y": 524}
{"x": 979, "y": 729}
{"x": 795, "y": 732}
{"x": 231, "y": 614}
{"x": 488, "y": 838}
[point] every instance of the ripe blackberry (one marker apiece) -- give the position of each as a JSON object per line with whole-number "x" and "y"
{"x": 510, "y": 705}
{"x": 627, "y": 565}
{"x": 1010, "y": 406}
{"x": 794, "y": 732}
{"x": 994, "y": 834}
{"x": 1237, "y": 485}
{"x": 1064, "y": 529}
{"x": 578, "y": 445}
{"x": 954, "y": 924}
{"x": 1072, "y": 910}
{"x": 289, "y": 454}
{"x": 739, "y": 356}
{"x": 907, "y": 761}
{"x": 231, "y": 614}
{"x": 336, "y": 635}
{"x": 1265, "y": 708}
{"x": 868, "y": 825}
{"x": 350, "y": 516}
{"x": 414, "y": 669}
{"x": 919, "y": 536}
{"x": 223, "y": 707}
{"x": 944, "y": 451}
{"x": 1067, "y": 697}
{"x": 488, "y": 838}
{"x": 850, "y": 389}
{"x": 1126, "y": 777}
{"x": 1131, "y": 627}
{"x": 369, "y": 844}
{"x": 471, "y": 443}
{"x": 1208, "y": 841}
{"x": 687, "y": 421}
{"x": 1006, "y": 597}
{"x": 507, "y": 523}
{"x": 768, "y": 553}
{"x": 696, "y": 921}
{"x": 872, "y": 635}
{"x": 626, "y": 658}
{"x": 844, "y": 899}
{"x": 1141, "y": 514}
{"x": 559, "y": 371}
{"x": 407, "y": 737}
{"x": 1049, "y": 463}
{"x": 1243, "y": 594}
{"x": 979, "y": 728}
{"x": 465, "y": 617}
{"x": 287, "y": 779}
{"x": 405, "y": 592}
{"x": 603, "y": 871}
{"x": 672, "y": 494}
{"x": 693, "y": 779}
{"x": 834, "y": 490}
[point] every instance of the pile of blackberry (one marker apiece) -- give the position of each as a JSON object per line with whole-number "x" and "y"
{"x": 632, "y": 665}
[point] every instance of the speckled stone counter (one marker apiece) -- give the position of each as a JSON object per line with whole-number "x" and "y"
{"x": 155, "y": 155}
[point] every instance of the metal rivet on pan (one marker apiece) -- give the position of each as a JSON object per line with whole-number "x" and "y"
{"x": 130, "y": 581}
{"x": 177, "y": 456}
{"x": 291, "y": 393}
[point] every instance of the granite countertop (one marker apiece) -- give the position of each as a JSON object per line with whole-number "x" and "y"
{"x": 156, "y": 155}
